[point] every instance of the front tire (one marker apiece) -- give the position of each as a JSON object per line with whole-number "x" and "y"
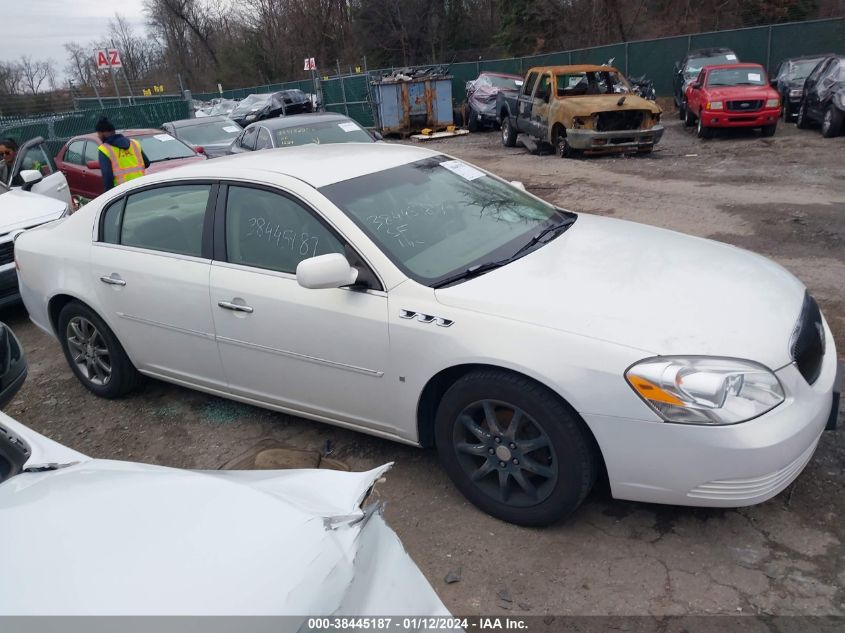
{"x": 94, "y": 354}
{"x": 702, "y": 131}
{"x": 802, "y": 121}
{"x": 473, "y": 124}
{"x": 832, "y": 122}
{"x": 508, "y": 133}
{"x": 513, "y": 448}
{"x": 689, "y": 118}
{"x": 563, "y": 148}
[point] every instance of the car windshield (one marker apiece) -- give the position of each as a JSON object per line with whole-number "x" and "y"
{"x": 252, "y": 102}
{"x": 695, "y": 64}
{"x": 322, "y": 132}
{"x": 800, "y": 69}
{"x": 438, "y": 217}
{"x": 737, "y": 77}
{"x": 159, "y": 147}
{"x": 591, "y": 83}
{"x": 503, "y": 83}
{"x": 209, "y": 133}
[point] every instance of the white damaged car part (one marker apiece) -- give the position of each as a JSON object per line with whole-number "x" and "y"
{"x": 102, "y": 537}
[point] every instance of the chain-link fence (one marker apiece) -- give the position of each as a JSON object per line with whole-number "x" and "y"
{"x": 56, "y": 128}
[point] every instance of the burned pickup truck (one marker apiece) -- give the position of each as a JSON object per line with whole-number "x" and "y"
{"x": 578, "y": 109}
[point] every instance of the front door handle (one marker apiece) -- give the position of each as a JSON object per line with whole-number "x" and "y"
{"x": 237, "y": 307}
{"x": 113, "y": 280}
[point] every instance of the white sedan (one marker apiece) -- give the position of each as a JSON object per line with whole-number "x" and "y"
{"x": 403, "y": 293}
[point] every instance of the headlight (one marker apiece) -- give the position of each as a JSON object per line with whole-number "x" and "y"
{"x": 714, "y": 105}
{"x": 796, "y": 92}
{"x": 772, "y": 103}
{"x": 705, "y": 390}
{"x": 578, "y": 122}
{"x": 249, "y": 117}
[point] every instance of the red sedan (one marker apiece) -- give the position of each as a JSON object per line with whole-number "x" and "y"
{"x": 78, "y": 159}
{"x": 735, "y": 95}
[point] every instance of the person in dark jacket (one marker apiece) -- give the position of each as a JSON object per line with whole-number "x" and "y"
{"x": 121, "y": 158}
{"x": 8, "y": 151}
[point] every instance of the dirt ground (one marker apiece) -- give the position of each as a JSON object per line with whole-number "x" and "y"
{"x": 783, "y": 197}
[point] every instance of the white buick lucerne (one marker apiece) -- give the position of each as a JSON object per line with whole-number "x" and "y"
{"x": 406, "y": 294}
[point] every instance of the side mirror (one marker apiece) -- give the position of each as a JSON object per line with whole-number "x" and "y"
{"x": 518, "y": 184}
{"x": 93, "y": 164}
{"x": 695, "y": 85}
{"x": 30, "y": 178}
{"x": 377, "y": 135}
{"x": 325, "y": 271}
{"x": 12, "y": 365}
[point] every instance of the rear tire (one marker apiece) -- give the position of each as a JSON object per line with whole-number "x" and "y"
{"x": 94, "y": 354}
{"x": 508, "y": 133}
{"x": 513, "y": 448}
{"x": 769, "y": 130}
{"x": 832, "y": 122}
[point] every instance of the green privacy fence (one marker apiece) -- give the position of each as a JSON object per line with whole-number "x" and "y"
{"x": 767, "y": 45}
{"x": 59, "y": 127}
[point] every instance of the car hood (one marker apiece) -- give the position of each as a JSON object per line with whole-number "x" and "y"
{"x": 101, "y": 537}
{"x": 589, "y": 104}
{"x": 164, "y": 165}
{"x": 21, "y": 209}
{"x": 741, "y": 92}
{"x": 646, "y": 288}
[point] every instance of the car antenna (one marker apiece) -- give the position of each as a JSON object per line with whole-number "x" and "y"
{"x": 621, "y": 101}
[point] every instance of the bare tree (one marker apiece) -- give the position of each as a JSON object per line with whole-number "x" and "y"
{"x": 33, "y": 74}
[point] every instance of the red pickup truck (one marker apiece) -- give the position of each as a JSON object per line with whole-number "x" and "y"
{"x": 735, "y": 95}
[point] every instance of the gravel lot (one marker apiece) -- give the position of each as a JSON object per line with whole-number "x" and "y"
{"x": 783, "y": 197}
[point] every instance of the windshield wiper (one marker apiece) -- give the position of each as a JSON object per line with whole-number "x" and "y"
{"x": 480, "y": 269}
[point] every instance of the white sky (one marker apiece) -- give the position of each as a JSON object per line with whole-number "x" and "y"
{"x": 41, "y": 28}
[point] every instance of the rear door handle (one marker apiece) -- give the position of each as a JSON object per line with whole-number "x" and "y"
{"x": 237, "y": 307}
{"x": 113, "y": 280}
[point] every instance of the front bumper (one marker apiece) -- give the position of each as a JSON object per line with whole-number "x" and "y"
{"x": 723, "y": 118}
{"x": 615, "y": 139}
{"x": 720, "y": 466}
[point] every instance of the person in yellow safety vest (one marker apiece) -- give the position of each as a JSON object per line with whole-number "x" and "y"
{"x": 121, "y": 158}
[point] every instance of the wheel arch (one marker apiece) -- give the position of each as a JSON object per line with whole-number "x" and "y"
{"x": 437, "y": 385}
{"x": 54, "y": 308}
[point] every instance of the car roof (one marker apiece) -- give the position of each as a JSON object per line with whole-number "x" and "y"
{"x": 316, "y": 165}
{"x": 734, "y": 66}
{"x": 217, "y": 118}
{"x": 577, "y": 68}
{"x": 495, "y": 74}
{"x": 299, "y": 119}
{"x": 130, "y": 133}
{"x": 707, "y": 52}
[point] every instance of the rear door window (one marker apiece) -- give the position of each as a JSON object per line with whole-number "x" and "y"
{"x": 75, "y": 152}
{"x": 528, "y": 88}
{"x": 168, "y": 219}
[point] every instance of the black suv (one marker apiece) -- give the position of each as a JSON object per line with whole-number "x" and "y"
{"x": 688, "y": 68}
{"x": 823, "y": 100}
{"x": 789, "y": 82}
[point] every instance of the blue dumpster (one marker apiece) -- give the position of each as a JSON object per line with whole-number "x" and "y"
{"x": 408, "y": 106}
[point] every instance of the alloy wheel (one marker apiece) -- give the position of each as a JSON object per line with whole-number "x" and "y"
{"x": 505, "y": 453}
{"x": 505, "y": 133}
{"x": 827, "y": 121}
{"x": 88, "y": 350}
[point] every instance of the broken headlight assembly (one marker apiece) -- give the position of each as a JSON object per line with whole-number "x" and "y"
{"x": 796, "y": 92}
{"x": 579, "y": 122}
{"x": 705, "y": 390}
